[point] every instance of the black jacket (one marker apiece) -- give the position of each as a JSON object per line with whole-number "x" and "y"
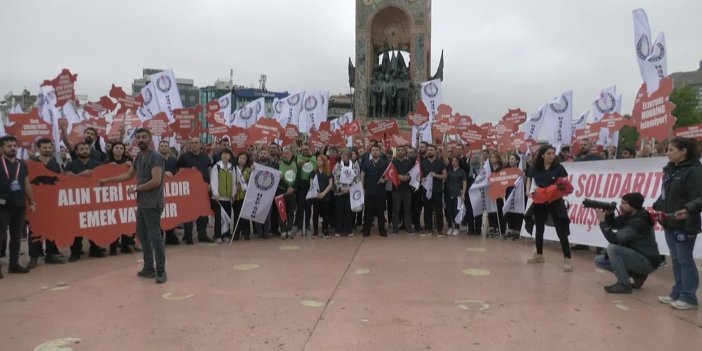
{"x": 635, "y": 232}
{"x": 682, "y": 189}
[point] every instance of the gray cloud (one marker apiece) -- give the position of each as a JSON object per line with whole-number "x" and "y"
{"x": 498, "y": 54}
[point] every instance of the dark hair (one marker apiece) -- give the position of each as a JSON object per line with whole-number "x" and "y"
{"x": 431, "y": 145}
{"x": 248, "y": 158}
{"x": 142, "y": 130}
{"x": 693, "y": 149}
{"x": 375, "y": 146}
{"x": 630, "y": 151}
{"x": 539, "y": 163}
{"x": 454, "y": 158}
{"x": 229, "y": 151}
{"x": 91, "y": 129}
{"x": 519, "y": 159}
{"x": 6, "y": 139}
{"x": 81, "y": 143}
{"x": 43, "y": 141}
{"x": 125, "y": 156}
{"x": 425, "y": 143}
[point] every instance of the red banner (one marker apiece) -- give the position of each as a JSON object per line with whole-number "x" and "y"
{"x": 158, "y": 125}
{"x": 500, "y": 181}
{"x": 186, "y": 123}
{"x": 102, "y": 213}
{"x": 383, "y": 128}
{"x": 63, "y": 86}
{"x": 652, "y": 114}
{"x": 290, "y": 134}
{"x": 266, "y": 130}
{"x": 126, "y": 102}
{"x": 238, "y": 139}
{"x": 693, "y": 132}
{"x": 104, "y": 105}
{"x": 419, "y": 117}
{"x": 28, "y": 127}
{"x": 77, "y": 130}
{"x": 514, "y": 118}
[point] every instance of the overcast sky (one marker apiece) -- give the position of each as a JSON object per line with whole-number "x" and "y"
{"x": 498, "y": 54}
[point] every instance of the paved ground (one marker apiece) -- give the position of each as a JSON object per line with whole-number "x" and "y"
{"x": 397, "y": 293}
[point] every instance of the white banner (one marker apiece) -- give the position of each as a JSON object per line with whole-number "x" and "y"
{"x": 356, "y": 196}
{"x": 150, "y": 107}
{"x": 606, "y": 102}
{"x": 314, "y": 110}
{"x": 607, "y": 181}
{"x": 424, "y": 134}
{"x": 414, "y": 175}
{"x": 292, "y": 106}
{"x": 428, "y": 185}
{"x": 343, "y": 120}
{"x": 2, "y": 125}
{"x": 581, "y": 122}
{"x": 248, "y": 115}
{"x": 314, "y": 189}
{"x": 532, "y": 127}
{"x": 515, "y": 202}
{"x": 651, "y": 55}
{"x": 559, "y": 117}
{"x": 277, "y": 108}
{"x": 225, "y": 107}
{"x": 432, "y": 97}
{"x": 478, "y": 192}
{"x": 166, "y": 90}
{"x": 260, "y": 193}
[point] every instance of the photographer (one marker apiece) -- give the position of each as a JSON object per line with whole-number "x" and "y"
{"x": 632, "y": 250}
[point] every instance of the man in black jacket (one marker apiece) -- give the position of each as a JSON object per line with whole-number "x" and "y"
{"x": 632, "y": 251}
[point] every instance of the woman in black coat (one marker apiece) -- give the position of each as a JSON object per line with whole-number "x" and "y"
{"x": 681, "y": 195}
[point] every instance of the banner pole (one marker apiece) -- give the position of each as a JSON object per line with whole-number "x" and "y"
{"x": 231, "y": 240}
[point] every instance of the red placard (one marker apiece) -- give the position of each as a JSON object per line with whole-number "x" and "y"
{"x": 158, "y": 125}
{"x": 500, "y": 181}
{"x": 589, "y": 132}
{"x": 97, "y": 109}
{"x": 652, "y": 114}
{"x": 290, "y": 134}
{"x": 126, "y": 102}
{"x": 186, "y": 123}
{"x": 76, "y": 135}
{"x": 419, "y": 117}
{"x": 402, "y": 139}
{"x": 116, "y": 131}
{"x": 217, "y": 130}
{"x": 514, "y": 118}
{"x": 472, "y": 135}
{"x": 692, "y": 132}
{"x": 28, "y": 127}
{"x": 613, "y": 122}
{"x": 238, "y": 138}
{"x": 63, "y": 86}
{"x": 266, "y": 129}
{"x": 380, "y": 129}
{"x": 213, "y": 114}
{"x": 522, "y": 145}
{"x": 102, "y": 214}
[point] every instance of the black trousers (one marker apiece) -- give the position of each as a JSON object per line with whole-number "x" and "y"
{"x": 452, "y": 211}
{"x": 244, "y": 227}
{"x": 514, "y": 221}
{"x": 374, "y": 206}
{"x": 201, "y": 224}
{"x": 469, "y": 218}
{"x": 12, "y": 218}
{"x": 433, "y": 210}
{"x": 344, "y": 217}
{"x": 417, "y": 204}
{"x": 36, "y": 248}
{"x": 321, "y": 209}
{"x": 227, "y": 206}
{"x": 541, "y": 213}
{"x": 304, "y": 206}
{"x": 496, "y": 219}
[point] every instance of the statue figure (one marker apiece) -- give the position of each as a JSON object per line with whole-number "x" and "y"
{"x": 387, "y": 95}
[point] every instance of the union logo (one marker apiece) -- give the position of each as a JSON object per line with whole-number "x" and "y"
{"x": 431, "y": 89}
{"x": 293, "y": 100}
{"x": 278, "y": 106}
{"x": 246, "y": 113}
{"x": 560, "y": 107}
{"x": 606, "y": 103}
{"x": 258, "y": 108}
{"x": 264, "y": 180}
{"x": 310, "y": 103}
{"x": 148, "y": 96}
{"x": 357, "y": 195}
{"x": 163, "y": 83}
{"x": 223, "y": 102}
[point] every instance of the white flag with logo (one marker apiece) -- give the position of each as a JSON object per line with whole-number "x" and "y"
{"x": 478, "y": 192}
{"x": 432, "y": 97}
{"x": 424, "y": 134}
{"x": 260, "y": 193}
{"x": 226, "y": 220}
{"x": 314, "y": 189}
{"x": 532, "y": 127}
{"x": 559, "y": 117}
{"x": 150, "y": 107}
{"x": 166, "y": 91}
{"x": 247, "y": 116}
{"x": 338, "y": 123}
{"x": 277, "y": 108}
{"x": 651, "y": 55}
{"x": 225, "y": 107}
{"x": 70, "y": 113}
{"x": 515, "y": 201}
{"x": 581, "y": 122}
{"x": 415, "y": 174}
{"x": 292, "y": 106}
{"x": 605, "y": 103}
{"x": 428, "y": 185}
{"x": 314, "y": 110}
{"x": 356, "y": 197}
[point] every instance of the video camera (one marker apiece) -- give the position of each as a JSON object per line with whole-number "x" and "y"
{"x": 599, "y": 205}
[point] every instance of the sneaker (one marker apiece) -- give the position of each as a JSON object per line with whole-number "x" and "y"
{"x": 666, "y": 299}
{"x": 567, "y": 265}
{"x": 314, "y": 236}
{"x": 220, "y": 240}
{"x": 682, "y": 305}
{"x": 618, "y": 288}
{"x": 456, "y": 231}
{"x": 351, "y": 235}
{"x": 327, "y": 236}
{"x": 536, "y": 258}
{"x": 336, "y": 235}
{"x": 291, "y": 236}
{"x": 161, "y": 278}
{"x": 146, "y": 274}
{"x": 425, "y": 234}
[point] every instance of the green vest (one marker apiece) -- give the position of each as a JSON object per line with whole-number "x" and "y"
{"x": 226, "y": 181}
{"x": 288, "y": 174}
{"x": 309, "y": 167}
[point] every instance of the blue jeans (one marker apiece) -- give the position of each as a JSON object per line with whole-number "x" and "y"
{"x": 149, "y": 232}
{"x": 687, "y": 279}
{"x": 621, "y": 260}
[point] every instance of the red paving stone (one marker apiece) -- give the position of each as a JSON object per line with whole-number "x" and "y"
{"x": 397, "y": 293}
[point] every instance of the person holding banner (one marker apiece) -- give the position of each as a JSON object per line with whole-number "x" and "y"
{"x": 195, "y": 158}
{"x": 117, "y": 156}
{"x": 456, "y": 185}
{"x": 496, "y": 219}
{"x": 346, "y": 173}
{"x": 322, "y": 204}
{"x": 223, "y": 186}
{"x": 514, "y": 219}
{"x": 288, "y": 183}
{"x": 374, "y": 188}
{"x": 243, "y": 173}
{"x": 546, "y": 171}
{"x": 681, "y": 202}
{"x": 150, "y": 203}
{"x": 170, "y": 167}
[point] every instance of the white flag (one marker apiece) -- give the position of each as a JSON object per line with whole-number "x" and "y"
{"x": 479, "y": 198}
{"x": 314, "y": 110}
{"x": 651, "y": 55}
{"x": 461, "y": 212}
{"x": 559, "y": 117}
{"x": 166, "y": 90}
{"x": 150, "y": 107}
{"x": 2, "y": 125}
{"x": 338, "y": 123}
{"x": 260, "y": 193}
{"x": 259, "y": 108}
{"x": 292, "y": 106}
{"x": 424, "y": 134}
{"x": 226, "y": 220}
{"x": 248, "y": 115}
{"x": 515, "y": 202}
{"x": 428, "y": 184}
{"x": 532, "y": 127}
{"x": 581, "y": 121}
{"x": 415, "y": 174}
{"x": 432, "y": 97}
{"x": 314, "y": 189}
{"x": 225, "y": 107}
{"x": 277, "y": 108}
{"x": 72, "y": 116}
{"x": 356, "y": 197}
{"x": 605, "y": 103}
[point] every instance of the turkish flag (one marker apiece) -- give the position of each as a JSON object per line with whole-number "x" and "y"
{"x": 391, "y": 175}
{"x": 352, "y": 129}
{"x": 282, "y": 210}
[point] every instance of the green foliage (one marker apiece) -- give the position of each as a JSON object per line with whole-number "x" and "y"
{"x": 628, "y": 137}
{"x": 686, "y": 112}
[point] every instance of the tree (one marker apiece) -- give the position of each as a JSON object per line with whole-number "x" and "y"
{"x": 686, "y": 112}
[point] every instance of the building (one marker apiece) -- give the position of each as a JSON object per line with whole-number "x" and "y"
{"x": 25, "y": 100}
{"x": 692, "y": 78}
{"x": 339, "y": 105}
{"x": 189, "y": 93}
{"x": 243, "y": 96}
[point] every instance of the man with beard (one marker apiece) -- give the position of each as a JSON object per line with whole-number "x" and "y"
{"x": 434, "y": 167}
{"x": 46, "y": 150}
{"x": 170, "y": 167}
{"x": 90, "y": 137}
{"x": 82, "y": 166}
{"x": 585, "y": 152}
{"x": 402, "y": 195}
{"x": 224, "y": 143}
{"x": 195, "y": 158}
{"x": 148, "y": 168}
{"x": 15, "y": 192}
{"x": 306, "y": 165}
{"x": 374, "y": 186}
